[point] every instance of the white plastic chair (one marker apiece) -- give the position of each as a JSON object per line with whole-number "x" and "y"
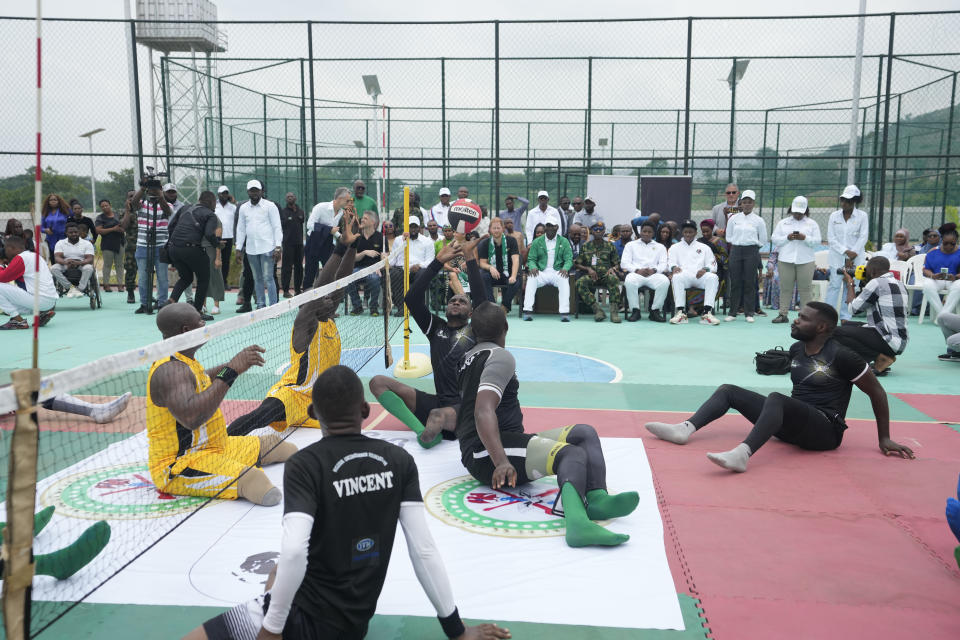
{"x": 916, "y": 268}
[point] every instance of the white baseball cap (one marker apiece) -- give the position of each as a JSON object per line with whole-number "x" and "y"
{"x": 552, "y": 218}
{"x": 254, "y": 184}
{"x": 169, "y": 187}
{"x": 590, "y": 198}
{"x": 541, "y": 194}
{"x": 748, "y": 194}
{"x": 223, "y": 189}
{"x": 415, "y": 220}
{"x": 799, "y": 205}
{"x": 444, "y": 191}
{"x": 850, "y": 191}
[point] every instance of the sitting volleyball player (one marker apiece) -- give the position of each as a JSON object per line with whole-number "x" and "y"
{"x": 343, "y": 498}
{"x": 434, "y": 416}
{"x": 314, "y": 347}
{"x": 190, "y": 451}
{"x": 65, "y": 562}
{"x": 497, "y": 452}
{"x": 823, "y": 373}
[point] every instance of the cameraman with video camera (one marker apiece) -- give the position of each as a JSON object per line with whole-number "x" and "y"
{"x": 153, "y": 216}
{"x": 884, "y": 336}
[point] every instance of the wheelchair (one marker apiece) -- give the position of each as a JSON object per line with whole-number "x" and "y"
{"x": 73, "y": 275}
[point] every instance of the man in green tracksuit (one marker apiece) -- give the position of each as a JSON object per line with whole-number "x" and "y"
{"x": 548, "y": 264}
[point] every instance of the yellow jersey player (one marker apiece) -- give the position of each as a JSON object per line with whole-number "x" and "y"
{"x": 190, "y": 452}
{"x": 314, "y": 346}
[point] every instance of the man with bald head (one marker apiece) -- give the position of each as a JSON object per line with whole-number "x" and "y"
{"x": 361, "y": 201}
{"x": 190, "y": 453}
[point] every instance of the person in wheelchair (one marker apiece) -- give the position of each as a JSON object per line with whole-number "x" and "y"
{"x": 71, "y": 255}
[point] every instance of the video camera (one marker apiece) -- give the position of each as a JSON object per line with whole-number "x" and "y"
{"x": 151, "y": 178}
{"x": 857, "y": 273}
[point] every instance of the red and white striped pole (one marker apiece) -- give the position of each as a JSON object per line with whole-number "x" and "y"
{"x": 37, "y": 196}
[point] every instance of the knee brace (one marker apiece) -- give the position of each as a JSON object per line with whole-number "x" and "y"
{"x": 274, "y": 449}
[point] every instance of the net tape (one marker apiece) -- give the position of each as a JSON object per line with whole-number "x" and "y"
{"x": 92, "y": 372}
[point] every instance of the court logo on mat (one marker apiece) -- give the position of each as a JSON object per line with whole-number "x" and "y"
{"x": 525, "y": 511}
{"x": 123, "y": 492}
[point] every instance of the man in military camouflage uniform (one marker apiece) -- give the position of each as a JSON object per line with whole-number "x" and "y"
{"x": 129, "y": 224}
{"x": 599, "y": 262}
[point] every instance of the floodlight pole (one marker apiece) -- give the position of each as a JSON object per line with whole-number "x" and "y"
{"x": 855, "y": 100}
{"x": 93, "y": 184}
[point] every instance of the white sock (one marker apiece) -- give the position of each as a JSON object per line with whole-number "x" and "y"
{"x": 675, "y": 433}
{"x": 69, "y": 404}
{"x": 735, "y": 460}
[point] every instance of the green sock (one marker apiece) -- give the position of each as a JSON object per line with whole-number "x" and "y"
{"x": 398, "y": 408}
{"x": 67, "y": 561}
{"x": 956, "y": 555}
{"x": 40, "y": 520}
{"x": 581, "y": 532}
{"x": 603, "y": 506}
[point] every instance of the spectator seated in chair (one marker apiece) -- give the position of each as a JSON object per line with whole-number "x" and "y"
{"x": 498, "y": 257}
{"x": 645, "y": 261}
{"x": 693, "y": 265}
{"x": 599, "y": 261}
{"x": 885, "y": 300}
{"x": 940, "y": 271}
{"x": 73, "y": 252}
{"x": 548, "y": 264}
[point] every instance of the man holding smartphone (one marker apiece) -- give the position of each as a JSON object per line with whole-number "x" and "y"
{"x": 725, "y": 209}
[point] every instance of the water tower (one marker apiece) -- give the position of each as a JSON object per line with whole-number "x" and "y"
{"x": 185, "y": 90}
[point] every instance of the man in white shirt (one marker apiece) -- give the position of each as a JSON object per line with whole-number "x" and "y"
{"x": 847, "y": 232}
{"x": 721, "y": 212}
{"x": 422, "y": 252}
{"x": 548, "y": 264}
{"x": 440, "y": 211}
{"x": 322, "y": 233}
{"x": 645, "y": 261}
{"x": 227, "y": 214}
{"x": 260, "y": 237}
{"x": 692, "y": 264}
{"x": 14, "y": 301}
{"x": 539, "y": 214}
{"x": 589, "y": 216}
{"x": 796, "y": 237}
{"x": 746, "y": 233}
{"x": 73, "y": 252}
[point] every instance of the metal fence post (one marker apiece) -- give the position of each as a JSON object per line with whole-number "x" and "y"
{"x": 166, "y": 119}
{"x": 313, "y": 114}
{"x": 496, "y": 106}
{"x": 733, "y": 118}
{"x": 763, "y": 166}
{"x": 223, "y": 152}
{"x": 676, "y": 145}
{"x": 136, "y": 97}
{"x": 896, "y": 164}
{"x": 303, "y": 136}
{"x": 876, "y": 138}
{"x": 886, "y": 131}
{"x": 946, "y": 170}
{"x": 266, "y": 151}
{"x": 589, "y": 111}
{"x": 386, "y": 191}
{"x": 686, "y": 105}
{"x": 443, "y": 120}
{"x": 776, "y": 172}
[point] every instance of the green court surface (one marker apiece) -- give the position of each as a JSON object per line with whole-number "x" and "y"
{"x": 661, "y": 368}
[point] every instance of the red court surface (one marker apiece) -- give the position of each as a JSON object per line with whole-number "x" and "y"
{"x": 839, "y": 544}
{"x": 939, "y": 407}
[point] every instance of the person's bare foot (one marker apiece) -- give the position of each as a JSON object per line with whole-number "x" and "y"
{"x": 429, "y": 437}
{"x": 883, "y": 362}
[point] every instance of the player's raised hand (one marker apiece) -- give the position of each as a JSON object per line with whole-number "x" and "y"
{"x": 248, "y": 357}
{"x": 350, "y": 227}
{"x": 469, "y": 247}
{"x": 485, "y": 631}
{"x": 449, "y": 252}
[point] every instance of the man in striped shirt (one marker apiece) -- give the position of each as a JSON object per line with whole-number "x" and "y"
{"x": 153, "y": 216}
{"x": 884, "y": 336}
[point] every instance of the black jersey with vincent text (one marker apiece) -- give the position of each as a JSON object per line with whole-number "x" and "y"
{"x": 825, "y": 379}
{"x": 353, "y": 487}
{"x": 487, "y": 367}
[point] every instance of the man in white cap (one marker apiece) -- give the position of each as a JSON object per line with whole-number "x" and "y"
{"x": 171, "y": 195}
{"x": 260, "y": 237}
{"x": 539, "y": 214}
{"x": 422, "y": 253}
{"x": 746, "y": 233}
{"x": 847, "y": 232}
{"x": 796, "y": 237}
{"x": 589, "y": 216}
{"x": 548, "y": 264}
{"x": 440, "y": 211}
{"x": 227, "y": 214}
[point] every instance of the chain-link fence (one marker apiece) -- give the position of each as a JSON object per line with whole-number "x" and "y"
{"x": 505, "y": 107}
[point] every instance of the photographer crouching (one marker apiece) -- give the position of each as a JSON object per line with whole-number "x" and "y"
{"x": 884, "y": 336}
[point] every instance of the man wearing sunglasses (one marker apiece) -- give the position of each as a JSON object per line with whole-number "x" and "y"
{"x": 726, "y": 209}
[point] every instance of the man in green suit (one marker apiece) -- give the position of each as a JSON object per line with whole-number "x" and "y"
{"x": 548, "y": 264}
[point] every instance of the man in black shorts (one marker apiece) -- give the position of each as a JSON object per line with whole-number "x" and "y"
{"x": 433, "y": 416}
{"x": 343, "y": 498}
{"x": 812, "y": 416}
{"x": 497, "y": 452}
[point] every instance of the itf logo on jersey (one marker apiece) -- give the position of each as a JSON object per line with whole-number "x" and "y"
{"x": 123, "y": 492}
{"x": 525, "y": 511}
